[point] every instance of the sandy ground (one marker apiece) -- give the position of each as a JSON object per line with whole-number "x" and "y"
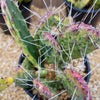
{"x": 9, "y": 55}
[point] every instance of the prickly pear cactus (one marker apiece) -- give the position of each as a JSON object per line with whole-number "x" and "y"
{"x": 55, "y": 48}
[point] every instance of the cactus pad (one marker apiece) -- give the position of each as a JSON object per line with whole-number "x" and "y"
{"x": 43, "y": 89}
{"x": 72, "y": 81}
{"x": 19, "y": 30}
{"x": 79, "y": 39}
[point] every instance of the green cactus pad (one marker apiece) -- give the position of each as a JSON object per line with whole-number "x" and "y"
{"x": 19, "y": 30}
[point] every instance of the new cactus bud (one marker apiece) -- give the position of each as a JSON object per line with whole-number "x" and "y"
{"x": 19, "y": 30}
{"x": 43, "y": 73}
{"x": 5, "y": 82}
{"x": 66, "y": 22}
{"x": 73, "y": 81}
{"x": 50, "y": 20}
{"x": 47, "y": 22}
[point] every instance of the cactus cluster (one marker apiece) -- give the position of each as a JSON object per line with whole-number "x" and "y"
{"x": 58, "y": 49}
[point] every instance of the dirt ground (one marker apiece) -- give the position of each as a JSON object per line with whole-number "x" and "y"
{"x": 9, "y": 55}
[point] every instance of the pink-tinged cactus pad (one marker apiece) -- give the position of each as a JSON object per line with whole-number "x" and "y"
{"x": 72, "y": 80}
{"x": 51, "y": 48}
{"x": 43, "y": 89}
{"x": 88, "y": 28}
{"x": 80, "y": 39}
{"x": 50, "y": 39}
